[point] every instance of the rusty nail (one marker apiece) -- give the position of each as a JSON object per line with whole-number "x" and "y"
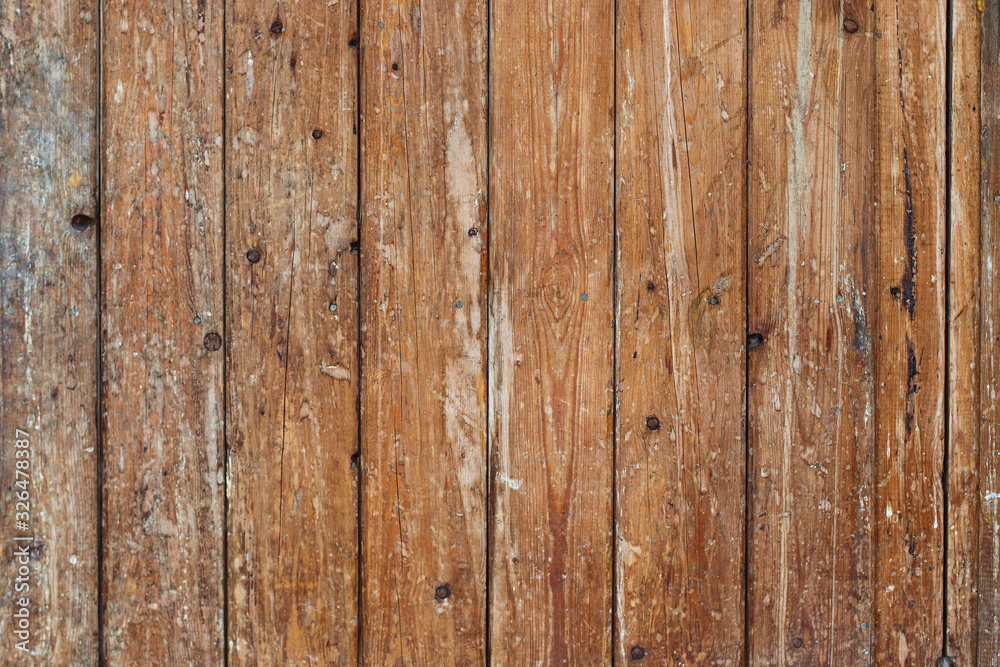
{"x": 317, "y": 134}
{"x": 442, "y": 592}
{"x": 637, "y": 653}
{"x": 81, "y": 222}
{"x": 473, "y": 232}
{"x": 652, "y": 423}
{"x": 850, "y": 25}
{"x": 277, "y": 28}
{"x": 796, "y": 642}
{"x": 650, "y": 286}
{"x": 395, "y": 67}
{"x": 714, "y": 301}
{"x": 213, "y": 342}
{"x": 754, "y": 341}
{"x": 253, "y": 255}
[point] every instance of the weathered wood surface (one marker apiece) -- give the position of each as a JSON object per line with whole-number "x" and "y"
{"x": 368, "y": 276}
{"x": 162, "y": 333}
{"x": 681, "y": 312}
{"x": 292, "y": 326}
{"x": 48, "y": 331}
{"x": 811, "y": 404}
{"x": 963, "y": 396}
{"x": 423, "y": 264}
{"x": 985, "y": 580}
{"x": 551, "y": 331}
{"x": 908, "y": 293}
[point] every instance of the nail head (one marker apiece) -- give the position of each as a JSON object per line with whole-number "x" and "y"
{"x": 213, "y": 342}
{"x": 442, "y": 592}
{"x": 277, "y": 28}
{"x": 81, "y": 222}
{"x": 253, "y": 255}
{"x": 652, "y": 423}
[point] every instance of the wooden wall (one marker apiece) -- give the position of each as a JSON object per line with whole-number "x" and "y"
{"x": 489, "y": 332}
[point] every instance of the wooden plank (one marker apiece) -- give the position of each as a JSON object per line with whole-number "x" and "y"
{"x": 48, "y": 332}
{"x": 987, "y": 584}
{"x": 963, "y": 326}
{"x": 681, "y": 228}
{"x": 162, "y": 285}
{"x": 423, "y": 267}
{"x": 551, "y": 331}
{"x": 292, "y": 325}
{"x": 810, "y": 375}
{"x": 909, "y": 295}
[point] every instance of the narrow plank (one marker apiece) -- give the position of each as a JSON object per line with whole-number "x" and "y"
{"x": 551, "y": 331}
{"x": 292, "y": 324}
{"x": 963, "y": 327}
{"x": 909, "y": 295}
{"x": 810, "y": 375}
{"x": 681, "y": 309}
{"x": 48, "y": 331}
{"x": 986, "y": 581}
{"x": 162, "y": 285}
{"x": 423, "y": 267}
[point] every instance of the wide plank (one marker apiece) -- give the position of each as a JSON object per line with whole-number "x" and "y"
{"x": 681, "y": 314}
{"x": 909, "y": 343}
{"x": 811, "y": 365}
{"x": 48, "y": 331}
{"x": 963, "y": 433}
{"x": 162, "y": 332}
{"x": 551, "y": 331}
{"x": 292, "y": 327}
{"x": 423, "y": 249}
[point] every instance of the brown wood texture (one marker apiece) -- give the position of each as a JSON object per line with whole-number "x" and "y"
{"x": 423, "y": 264}
{"x": 909, "y": 297}
{"x": 162, "y": 327}
{"x": 48, "y": 332}
{"x": 810, "y": 405}
{"x": 987, "y": 628}
{"x": 489, "y": 332}
{"x": 681, "y": 313}
{"x": 292, "y": 325}
{"x": 551, "y": 331}
{"x": 963, "y": 396}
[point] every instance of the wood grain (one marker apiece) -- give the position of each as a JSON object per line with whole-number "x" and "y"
{"x": 962, "y": 463}
{"x": 986, "y": 579}
{"x": 909, "y": 296}
{"x": 292, "y": 325}
{"x": 810, "y": 380}
{"x": 551, "y": 331}
{"x": 681, "y": 314}
{"x": 423, "y": 309}
{"x": 48, "y": 332}
{"x": 162, "y": 286}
